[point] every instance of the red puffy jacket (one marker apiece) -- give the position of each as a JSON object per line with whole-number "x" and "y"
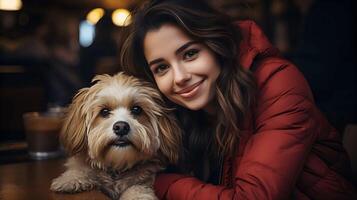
{"x": 287, "y": 149}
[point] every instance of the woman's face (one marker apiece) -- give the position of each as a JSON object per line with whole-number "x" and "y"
{"x": 185, "y": 70}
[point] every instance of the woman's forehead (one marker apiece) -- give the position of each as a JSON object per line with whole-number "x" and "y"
{"x": 167, "y": 39}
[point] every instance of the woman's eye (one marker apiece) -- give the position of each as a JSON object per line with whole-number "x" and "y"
{"x": 104, "y": 112}
{"x": 160, "y": 69}
{"x": 136, "y": 110}
{"x": 190, "y": 54}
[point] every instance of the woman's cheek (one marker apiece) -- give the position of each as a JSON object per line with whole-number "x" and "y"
{"x": 164, "y": 85}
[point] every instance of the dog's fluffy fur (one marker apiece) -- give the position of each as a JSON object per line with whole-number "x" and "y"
{"x": 118, "y": 135}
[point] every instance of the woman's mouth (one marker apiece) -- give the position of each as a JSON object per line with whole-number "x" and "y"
{"x": 190, "y": 91}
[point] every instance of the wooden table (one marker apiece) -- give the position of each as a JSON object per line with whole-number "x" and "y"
{"x": 31, "y": 180}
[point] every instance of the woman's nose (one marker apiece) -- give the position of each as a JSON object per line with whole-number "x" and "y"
{"x": 181, "y": 75}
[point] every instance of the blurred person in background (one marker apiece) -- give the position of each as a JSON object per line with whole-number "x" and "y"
{"x": 54, "y": 53}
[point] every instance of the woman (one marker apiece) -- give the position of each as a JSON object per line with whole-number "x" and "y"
{"x": 251, "y": 128}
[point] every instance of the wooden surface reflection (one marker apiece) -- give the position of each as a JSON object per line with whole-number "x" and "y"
{"x": 31, "y": 180}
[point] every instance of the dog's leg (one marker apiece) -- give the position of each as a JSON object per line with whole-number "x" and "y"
{"x": 137, "y": 182}
{"x": 139, "y": 192}
{"x": 78, "y": 177}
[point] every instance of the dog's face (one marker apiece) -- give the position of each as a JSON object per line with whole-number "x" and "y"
{"x": 118, "y": 122}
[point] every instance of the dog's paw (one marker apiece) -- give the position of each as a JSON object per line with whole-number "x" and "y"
{"x": 139, "y": 192}
{"x": 70, "y": 183}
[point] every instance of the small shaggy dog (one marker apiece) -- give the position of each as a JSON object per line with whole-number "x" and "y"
{"x": 118, "y": 135}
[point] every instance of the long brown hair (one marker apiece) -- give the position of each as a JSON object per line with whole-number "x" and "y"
{"x": 235, "y": 87}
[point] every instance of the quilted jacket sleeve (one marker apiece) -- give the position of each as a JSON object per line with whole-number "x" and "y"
{"x": 274, "y": 155}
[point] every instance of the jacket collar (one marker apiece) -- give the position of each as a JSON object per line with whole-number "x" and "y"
{"x": 254, "y": 44}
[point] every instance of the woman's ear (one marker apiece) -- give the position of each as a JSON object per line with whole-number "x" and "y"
{"x": 73, "y": 133}
{"x": 170, "y": 138}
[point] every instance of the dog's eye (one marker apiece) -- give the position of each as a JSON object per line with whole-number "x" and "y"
{"x": 136, "y": 110}
{"x": 104, "y": 112}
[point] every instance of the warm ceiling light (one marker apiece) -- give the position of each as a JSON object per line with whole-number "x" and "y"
{"x": 121, "y": 17}
{"x": 10, "y": 4}
{"x": 94, "y": 15}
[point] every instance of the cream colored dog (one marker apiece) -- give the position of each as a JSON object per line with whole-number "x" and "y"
{"x": 118, "y": 135}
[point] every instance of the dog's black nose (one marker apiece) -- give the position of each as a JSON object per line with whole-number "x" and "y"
{"x": 121, "y": 128}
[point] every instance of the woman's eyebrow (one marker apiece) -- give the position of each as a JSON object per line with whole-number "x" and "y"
{"x": 155, "y": 61}
{"x": 179, "y": 50}
{"x": 185, "y": 46}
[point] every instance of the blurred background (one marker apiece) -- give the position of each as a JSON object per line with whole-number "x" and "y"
{"x": 51, "y": 48}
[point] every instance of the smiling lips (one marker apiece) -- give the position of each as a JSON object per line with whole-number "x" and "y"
{"x": 190, "y": 91}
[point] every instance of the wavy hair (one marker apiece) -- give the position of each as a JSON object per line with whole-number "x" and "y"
{"x": 235, "y": 87}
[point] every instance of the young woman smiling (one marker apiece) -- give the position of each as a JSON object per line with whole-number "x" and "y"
{"x": 251, "y": 128}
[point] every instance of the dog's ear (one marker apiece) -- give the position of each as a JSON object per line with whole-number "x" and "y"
{"x": 170, "y": 137}
{"x": 73, "y": 133}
